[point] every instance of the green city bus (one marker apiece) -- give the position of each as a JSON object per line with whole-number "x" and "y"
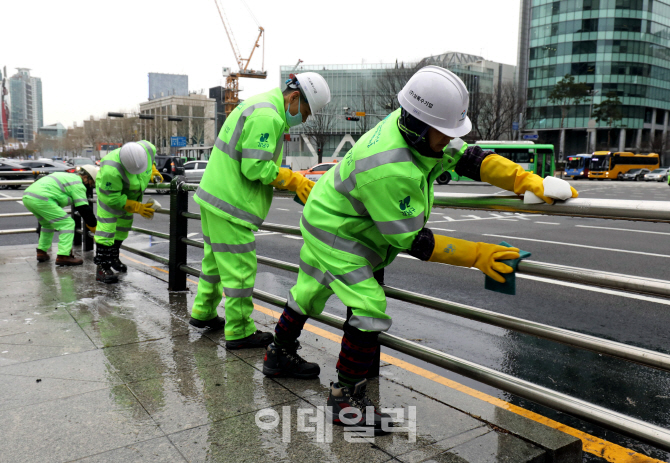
{"x": 538, "y": 159}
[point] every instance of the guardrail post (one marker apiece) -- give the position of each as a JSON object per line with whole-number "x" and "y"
{"x": 178, "y": 230}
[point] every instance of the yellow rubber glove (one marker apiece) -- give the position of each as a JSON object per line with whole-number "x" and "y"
{"x": 510, "y": 176}
{"x": 155, "y": 173}
{"x": 293, "y": 181}
{"x": 483, "y": 256}
{"x": 134, "y": 207}
{"x": 91, "y": 228}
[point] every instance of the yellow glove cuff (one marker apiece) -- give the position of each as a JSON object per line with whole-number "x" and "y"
{"x": 453, "y": 251}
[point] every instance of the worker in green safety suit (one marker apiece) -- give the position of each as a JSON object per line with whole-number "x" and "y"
{"x": 235, "y": 195}
{"x": 124, "y": 175}
{"x": 46, "y": 199}
{"x": 372, "y": 206}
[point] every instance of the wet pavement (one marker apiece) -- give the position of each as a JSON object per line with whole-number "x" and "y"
{"x": 91, "y": 372}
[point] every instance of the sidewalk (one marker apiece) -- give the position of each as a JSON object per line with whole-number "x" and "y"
{"x": 115, "y": 373}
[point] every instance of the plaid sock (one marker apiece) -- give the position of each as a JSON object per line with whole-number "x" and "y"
{"x": 356, "y": 355}
{"x": 289, "y": 327}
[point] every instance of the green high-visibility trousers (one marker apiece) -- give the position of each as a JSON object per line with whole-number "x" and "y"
{"x": 321, "y": 275}
{"x": 113, "y": 225}
{"x": 53, "y": 219}
{"x": 229, "y": 267}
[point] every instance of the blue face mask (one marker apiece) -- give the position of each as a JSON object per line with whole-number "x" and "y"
{"x": 292, "y": 120}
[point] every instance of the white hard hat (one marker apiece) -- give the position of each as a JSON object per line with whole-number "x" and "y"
{"x": 316, "y": 90}
{"x": 134, "y": 157}
{"x": 438, "y": 98}
{"x": 91, "y": 170}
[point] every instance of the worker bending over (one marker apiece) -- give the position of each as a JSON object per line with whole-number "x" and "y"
{"x": 372, "y": 206}
{"x": 46, "y": 199}
{"x": 235, "y": 196}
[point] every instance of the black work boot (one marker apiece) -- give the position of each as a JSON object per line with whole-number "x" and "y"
{"x": 216, "y": 323}
{"x": 258, "y": 339}
{"x": 42, "y": 256}
{"x": 102, "y": 259}
{"x": 350, "y": 406}
{"x": 115, "y": 261}
{"x": 285, "y": 362}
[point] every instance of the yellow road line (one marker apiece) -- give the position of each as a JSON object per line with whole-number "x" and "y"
{"x": 604, "y": 449}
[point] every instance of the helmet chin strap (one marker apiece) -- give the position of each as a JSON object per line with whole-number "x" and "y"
{"x": 409, "y": 126}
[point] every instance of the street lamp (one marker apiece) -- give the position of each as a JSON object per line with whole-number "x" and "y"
{"x": 593, "y": 94}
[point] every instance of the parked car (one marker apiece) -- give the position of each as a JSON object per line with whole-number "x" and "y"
{"x": 169, "y": 167}
{"x": 657, "y": 175}
{"x": 194, "y": 170}
{"x": 7, "y": 165}
{"x": 49, "y": 167}
{"x": 316, "y": 172}
{"x": 635, "y": 174}
{"x": 80, "y": 161}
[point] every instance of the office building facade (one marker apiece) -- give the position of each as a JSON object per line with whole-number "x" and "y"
{"x": 25, "y": 115}
{"x": 613, "y": 46}
{"x": 162, "y": 85}
{"x": 372, "y": 89}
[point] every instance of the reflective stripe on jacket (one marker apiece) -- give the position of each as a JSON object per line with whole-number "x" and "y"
{"x": 372, "y": 204}
{"x": 62, "y": 187}
{"x": 115, "y": 185}
{"x": 245, "y": 160}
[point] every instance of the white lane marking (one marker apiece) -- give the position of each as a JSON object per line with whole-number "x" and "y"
{"x": 549, "y": 223}
{"x": 280, "y": 209}
{"x": 191, "y": 234}
{"x": 442, "y": 229}
{"x": 623, "y": 229}
{"x": 493, "y": 217}
{"x": 264, "y": 233}
{"x": 580, "y": 245}
{"x": 293, "y": 237}
{"x": 407, "y": 256}
{"x": 448, "y": 219}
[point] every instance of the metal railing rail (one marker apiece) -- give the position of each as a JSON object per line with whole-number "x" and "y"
{"x": 16, "y": 182}
{"x": 637, "y": 210}
{"x": 16, "y": 231}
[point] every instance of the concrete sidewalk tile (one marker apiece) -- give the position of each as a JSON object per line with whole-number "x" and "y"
{"x": 145, "y": 360}
{"x": 49, "y": 333}
{"x": 20, "y": 391}
{"x": 558, "y": 445}
{"x": 37, "y": 316}
{"x": 207, "y": 393}
{"x": 16, "y": 354}
{"x": 85, "y": 366}
{"x": 430, "y": 451}
{"x": 493, "y": 447}
{"x": 241, "y": 440}
{"x": 75, "y": 427}
{"x": 158, "y": 450}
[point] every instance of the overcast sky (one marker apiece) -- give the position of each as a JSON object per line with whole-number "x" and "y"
{"x": 94, "y": 57}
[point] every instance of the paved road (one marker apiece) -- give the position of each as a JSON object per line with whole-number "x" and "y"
{"x": 633, "y": 248}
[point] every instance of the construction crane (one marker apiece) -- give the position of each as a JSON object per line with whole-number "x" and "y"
{"x": 232, "y": 99}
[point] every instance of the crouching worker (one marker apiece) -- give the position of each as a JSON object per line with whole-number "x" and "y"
{"x": 46, "y": 199}
{"x": 235, "y": 196}
{"x": 372, "y": 206}
{"x": 124, "y": 175}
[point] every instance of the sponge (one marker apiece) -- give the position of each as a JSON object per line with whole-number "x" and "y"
{"x": 509, "y": 286}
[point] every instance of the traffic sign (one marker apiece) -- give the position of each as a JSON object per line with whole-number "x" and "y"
{"x": 359, "y": 113}
{"x": 530, "y": 136}
{"x": 178, "y": 141}
{"x": 515, "y": 126}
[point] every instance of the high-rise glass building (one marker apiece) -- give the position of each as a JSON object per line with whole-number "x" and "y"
{"x": 372, "y": 89}
{"x": 25, "y": 116}
{"x": 620, "y": 46}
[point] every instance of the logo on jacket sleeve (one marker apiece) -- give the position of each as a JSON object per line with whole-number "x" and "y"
{"x": 405, "y": 207}
{"x": 263, "y": 143}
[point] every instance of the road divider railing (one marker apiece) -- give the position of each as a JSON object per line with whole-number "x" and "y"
{"x": 178, "y": 271}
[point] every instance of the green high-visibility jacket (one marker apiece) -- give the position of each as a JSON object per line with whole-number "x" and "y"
{"x": 245, "y": 160}
{"x": 372, "y": 204}
{"x": 115, "y": 185}
{"x": 62, "y": 187}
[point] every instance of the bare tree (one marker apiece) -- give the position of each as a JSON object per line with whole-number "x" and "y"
{"x": 318, "y": 128}
{"x": 390, "y": 83}
{"x": 493, "y": 115}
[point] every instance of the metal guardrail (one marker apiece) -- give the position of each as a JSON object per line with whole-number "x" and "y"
{"x": 178, "y": 271}
{"x": 637, "y": 210}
